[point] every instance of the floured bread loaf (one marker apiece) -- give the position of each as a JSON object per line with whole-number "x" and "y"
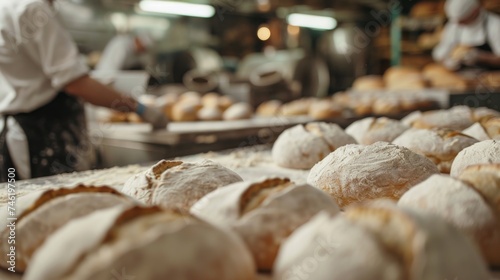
{"x": 149, "y": 243}
{"x": 480, "y": 153}
{"x": 41, "y": 213}
{"x": 387, "y": 106}
{"x": 439, "y": 145}
{"x": 263, "y": 213}
{"x": 482, "y": 113}
{"x": 464, "y": 206}
{"x": 456, "y": 118}
{"x": 378, "y": 240}
{"x": 210, "y": 113}
{"x": 302, "y": 146}
{"x": 177, "y": 184}
{"x": 269, "y": 108}
{"x": 355, "y": 173}
{"x": 411, "y": 118}
{"x": 487, "y": 128}
{"x": 477, "y": 131}
{"x": 238, "y": 111}
{"x": 370, "y": 130}
{"x": 186, "y": 110}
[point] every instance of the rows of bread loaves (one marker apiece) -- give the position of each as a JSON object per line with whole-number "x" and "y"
{"x": 200, "y": 220}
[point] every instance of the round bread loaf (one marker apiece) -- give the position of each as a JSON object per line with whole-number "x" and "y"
{"x": 177, "y": 184}
{"x": 411, "y": 118}
{"x": 324, "y": 109}
{"x": 378, "y": 240}
{"x": 210, "y": 99}
{"x": 210, "y": 113}
{"x": 186, "y": 110}
{"x": 396, "y": 74}
{"x": 269, "y": 108}
{"x": 370, "y": 130}
{"x": 370, "y": 82}
{"x": 464, "y": 206}
{"x": 302, "y": 146}
{"x": 238, "y": 111}
{"x": 387, "y": 106}
{"x": 456, "y": 118}
{"x": 149, "y": 243}
{"x": 297, "y": 107}
{"x": 225, "y": 102}
{"x": 264, "y": 213}
{"x": 439, "y": 145}
{"x": 41, "y": 213}
{"x": 483, "y": 113}
{"x": 355, "y": 173}
{"x": 480, "y": 153}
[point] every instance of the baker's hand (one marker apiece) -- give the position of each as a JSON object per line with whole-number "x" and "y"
{"x": 153, "y": 116}
{"x": 451, "y": 64}
{"x": 471, "y": 58}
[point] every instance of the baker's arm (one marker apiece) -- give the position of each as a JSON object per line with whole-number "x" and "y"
{"x": 98, "y": 94}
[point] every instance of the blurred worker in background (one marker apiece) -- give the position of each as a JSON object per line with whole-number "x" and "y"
{"x": 43, "y": 84}
{"x": 470, "y": 38}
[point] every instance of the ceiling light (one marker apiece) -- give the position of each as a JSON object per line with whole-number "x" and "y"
{"x": 312, "y": 21}
{"x": 264, "y": 33}
{"x": 177, "y": 8}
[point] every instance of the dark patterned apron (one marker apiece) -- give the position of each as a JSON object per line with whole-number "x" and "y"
{"x": 56, "y": 135}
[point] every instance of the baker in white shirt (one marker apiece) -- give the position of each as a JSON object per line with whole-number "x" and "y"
{"x": 472, "y": 26}
{"x": 126, "y": 52}
{"x": 43, "y": 84}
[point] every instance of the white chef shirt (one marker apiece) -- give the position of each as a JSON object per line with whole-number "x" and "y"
{"x": 120, "y": 54}
{"x": 37, "y": 59}
{"x": 474, "y": 34}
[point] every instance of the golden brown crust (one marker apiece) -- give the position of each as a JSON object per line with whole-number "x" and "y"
{"x": 256, "y": 193}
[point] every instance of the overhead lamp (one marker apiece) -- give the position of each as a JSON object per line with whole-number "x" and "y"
{"x": 312, "y": 21}
{"x": 177, "y": 8}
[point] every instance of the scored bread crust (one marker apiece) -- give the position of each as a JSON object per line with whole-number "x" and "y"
{"x": 485, "y": 179}
{"x": 43, "y": 212}
{"x": 480, "y": 153}
{"x": 462, "y": 206}
{"x": 263, "y": 213}
{"x": 149, "y": 242}
{"x": 302, "y": 146}
{"x": 439, "y": 145}
{"x": 456, "y": 118}
{"x": 335, "y": 248}
{"x": 371, "y": 130}
{"x": 355, "y": 173}
{"x": 477, "y": 131}
{"x": 429, "y": 248}
{"x": 177, "y": 184}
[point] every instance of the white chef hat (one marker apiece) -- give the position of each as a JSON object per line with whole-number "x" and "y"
{"x": 457, "y": 10}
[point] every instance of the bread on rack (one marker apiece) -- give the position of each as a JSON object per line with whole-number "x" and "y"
{"x": 264, "y": 213}
{"x": 356, "y": 173}
{"x": 472, "y": 205}
{"x": 397, "y": 74}
{"x": 378, "y": 240}
{"x": 370, "y": 82}
{"x": 324, "y": 109}
{"x": 177, "y": 184}
{"x": 186, "y": 110}
{"x": 40, "y": 213}
{"x": 370, "y": 130}
{"x": 439, "y": 145}
{"x": 480, "y": 153}
{"x": 297, "y": 107}
{"x": 269, "y": 108}
{"x": 238, "y": 111}
{"x": 456, "y": 118}
{"x": 387, "y": 106}
{"x": 149, "y": 243}
{"x": 302, "y": 146}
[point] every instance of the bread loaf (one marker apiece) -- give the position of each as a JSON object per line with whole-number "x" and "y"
{"x": 269, "y": 108}
{"x": 41, "y": 213}
{"x": 378, "y": 240}
{"x": 456, "y": 118}
{"x": 149, "y": 243}
{"x": 324, "y": 109}
{"x": 464, "y": 206}
{"x": 370, "y": 130}
{"x": 368, "y": 83}
{"x": 177, "y": 184}
{"x": 439, "y": 145}
{"x": 480, "y": 153}
{"x": 355, "y": 173}
{"x": 238, "y": 111}
{"x": 263, "y": 213}
{"x": 302, "y": 146}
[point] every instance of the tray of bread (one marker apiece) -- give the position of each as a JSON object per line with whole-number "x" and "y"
{"x": 416, "y": 198}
